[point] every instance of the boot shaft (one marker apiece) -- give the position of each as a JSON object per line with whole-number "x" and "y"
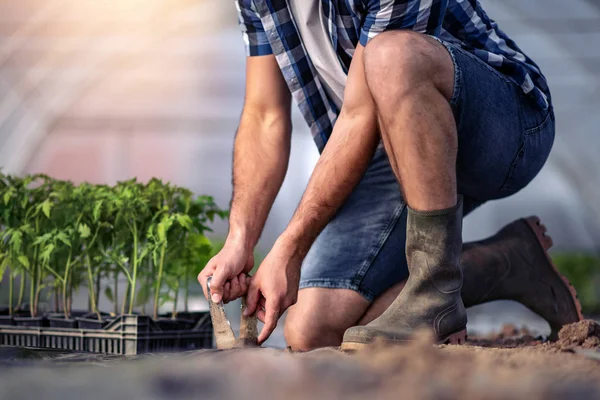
{"x": 434, "y": 246}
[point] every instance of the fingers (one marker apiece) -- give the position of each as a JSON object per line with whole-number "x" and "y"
{"x": 252, "y": 298}
{"x": 260, "y": 312}
{"x": 217, "y": 284}
{"x": 226, "y": 291}
{"x": 243, "y": 280}
{"x": 271, "y": 317}
{"x": 204, "y": 274}
{"x": 235, "y": 289}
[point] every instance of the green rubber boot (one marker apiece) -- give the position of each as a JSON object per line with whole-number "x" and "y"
{"x": 431, "y": 297}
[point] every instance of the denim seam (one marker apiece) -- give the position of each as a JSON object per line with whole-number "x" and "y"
{"x": 513, "y": 166}
{"x": 540, "y": 127}
{"x": 457, "y": 72}
{"x": 349, "y": 284}
{"x": 377, "y": 247}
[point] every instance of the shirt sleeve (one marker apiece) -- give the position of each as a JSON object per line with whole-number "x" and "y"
{"x": 253, "y": 31}
{"x": 424, "y": 16}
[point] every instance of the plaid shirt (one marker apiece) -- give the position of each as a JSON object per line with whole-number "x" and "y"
{"x": 268, "y": 28}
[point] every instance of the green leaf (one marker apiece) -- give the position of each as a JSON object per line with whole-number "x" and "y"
{"x": 184, "y": 220}
{"x": 84, "y": 231}
{"x": 62, "y": 236}
{"x": 8, "y": 194}
{"x": 143, "y": 295}
{"x": 3, "y": 267}
{"x": 155, "y": 256}
{"x": 24, "y": 261}
{"x": 46, "y": 207}
{"x": 42, "y": 239}
{"x": 97, "y": 210}
{"x": 109, "y": 294}
{"x": 144, "y": 253}
{"x": 47, "y": 253}
{"x": 16, "y": 239}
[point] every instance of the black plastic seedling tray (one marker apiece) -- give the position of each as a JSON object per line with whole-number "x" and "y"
{"x": 123, "y": 335}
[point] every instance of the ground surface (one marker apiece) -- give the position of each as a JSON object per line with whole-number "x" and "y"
{"x": 513, "y": 365}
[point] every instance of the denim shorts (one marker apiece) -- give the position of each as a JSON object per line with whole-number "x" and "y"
{"x": 504, "y": 139}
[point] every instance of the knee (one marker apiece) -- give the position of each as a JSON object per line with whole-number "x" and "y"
{"x": 305, "y": 334}
{"x": 403, "y": 60}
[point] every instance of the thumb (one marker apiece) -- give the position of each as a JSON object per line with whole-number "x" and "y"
{"x": 252, "y": 298}
{"x": 216, "y": 284}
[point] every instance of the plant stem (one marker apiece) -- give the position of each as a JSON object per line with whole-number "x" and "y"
{"x": 34, "y": 270}
{"x": 70, "y": 299}
{"x": 32, "y": 290}
{"x": 11, "y": 282}
{"x": 22, "y": 280}
{"x": 38, "y": 290}
{"x": 135, "y": 265}
{"x": 97, "y": 298}
{"x": 159, "y": 279}
{"x": 64, "y": 288}
{"x": 187, "y": 293}
{"x": 174, "y": 314}
{"x": 116, "y": 292}
{"x": 92, "y": 295}
{"x": 56, "y": 298}
{"x": 124, "y": 305}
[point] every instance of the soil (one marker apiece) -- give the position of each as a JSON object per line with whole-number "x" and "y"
{"x": 585, "y": 334}
{"x": 509, "y": 365}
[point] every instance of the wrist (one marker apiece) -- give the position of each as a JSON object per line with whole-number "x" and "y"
{"x": 294, "y": 244}
{"x": 239, "y": 240}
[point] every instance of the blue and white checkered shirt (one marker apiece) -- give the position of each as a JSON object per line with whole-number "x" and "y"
{"x": 268, "y": 28}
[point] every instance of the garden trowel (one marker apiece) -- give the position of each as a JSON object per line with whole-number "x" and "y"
{"x": 223, "y": 333}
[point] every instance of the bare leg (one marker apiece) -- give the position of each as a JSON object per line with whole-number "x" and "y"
{"x": 411, "y": 78}
{"x": 320, "y": 317}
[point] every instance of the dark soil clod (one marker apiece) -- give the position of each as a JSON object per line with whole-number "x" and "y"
{"x": 584, "y": 334}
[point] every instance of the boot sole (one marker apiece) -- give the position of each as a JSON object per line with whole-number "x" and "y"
{"x": 546, "y": 243}
{"x": 458, "y": 338}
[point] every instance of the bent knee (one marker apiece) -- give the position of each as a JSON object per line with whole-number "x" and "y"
{"x": 321, "y": 316}
{"x": 403, "y": 50}
{"x": 405, "y": 59}
{"x": 305, "y": 335}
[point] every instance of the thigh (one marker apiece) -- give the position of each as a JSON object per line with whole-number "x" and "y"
{"x": 504, "y": 138}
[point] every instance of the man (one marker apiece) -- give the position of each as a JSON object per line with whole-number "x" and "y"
{"x": 422, "y": 110}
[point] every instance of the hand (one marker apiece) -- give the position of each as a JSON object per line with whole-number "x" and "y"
{"x": 228, "y": 269}
{"x": 274, "y": 287}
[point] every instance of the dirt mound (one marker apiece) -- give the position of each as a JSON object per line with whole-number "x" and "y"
{"x": 580, "y": 334}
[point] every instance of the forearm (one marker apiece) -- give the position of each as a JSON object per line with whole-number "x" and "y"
{"x": 260, "y": 160}
{"x": 340, "y": 168}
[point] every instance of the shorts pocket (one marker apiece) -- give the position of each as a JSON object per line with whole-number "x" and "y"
{"x": 538, "y": 138}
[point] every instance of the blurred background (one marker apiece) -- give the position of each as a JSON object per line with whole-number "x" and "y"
{"x": 103, "y": 91}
